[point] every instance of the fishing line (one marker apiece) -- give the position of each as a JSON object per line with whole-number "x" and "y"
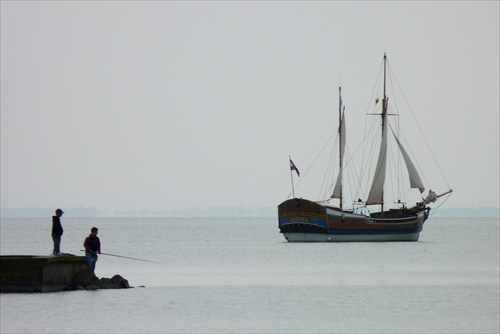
{"x": 126, "y": 257}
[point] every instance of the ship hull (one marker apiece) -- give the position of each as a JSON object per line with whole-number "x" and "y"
{"x": 302, "y": 220}
{"x": 352, "y": 237}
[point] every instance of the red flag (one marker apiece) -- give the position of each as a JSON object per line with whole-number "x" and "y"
{"x": 293, "y": 167}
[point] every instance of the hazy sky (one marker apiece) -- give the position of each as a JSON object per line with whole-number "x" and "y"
{"x": 160, "y": 105}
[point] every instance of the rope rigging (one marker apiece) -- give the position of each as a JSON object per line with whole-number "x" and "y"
{"x": 356, "y": 184}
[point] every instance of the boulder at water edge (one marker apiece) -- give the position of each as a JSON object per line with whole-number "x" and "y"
{"x": 87, "y": 280}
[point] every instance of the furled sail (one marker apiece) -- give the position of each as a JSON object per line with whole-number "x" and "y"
{"x": 376, "y": 195}
{"x": 432, "y": 197}
{"x": 337, "y": 191}
{"x": 415, "y": 181}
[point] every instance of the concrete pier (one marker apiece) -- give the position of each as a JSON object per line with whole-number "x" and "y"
{"x": 26, "y": 273}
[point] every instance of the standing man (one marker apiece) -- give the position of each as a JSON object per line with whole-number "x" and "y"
{"x": 57, "y": 231}
{"x": 92, "y": 246}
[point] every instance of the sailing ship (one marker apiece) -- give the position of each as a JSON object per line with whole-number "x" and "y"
{"x": 303, "y": 220}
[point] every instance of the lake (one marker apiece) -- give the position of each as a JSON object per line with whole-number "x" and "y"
{"x": 239, "y": 275}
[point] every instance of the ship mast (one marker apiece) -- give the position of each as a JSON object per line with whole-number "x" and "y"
{"x": 384, "y": 117}
{"x": 337, "y": 191}
{"x": 340, "y": 144}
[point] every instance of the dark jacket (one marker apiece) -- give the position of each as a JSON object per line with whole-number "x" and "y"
{"x": 92, "y": 244}
{"x": 57, "y": 229}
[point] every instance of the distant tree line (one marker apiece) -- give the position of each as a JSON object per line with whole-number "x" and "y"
{"x": 212, "y": 211}
{"x": 48, "y": 212}
{"x": 487, "y": 211}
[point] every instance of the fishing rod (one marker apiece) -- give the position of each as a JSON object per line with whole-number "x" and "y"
{"x": 126, "y": 257}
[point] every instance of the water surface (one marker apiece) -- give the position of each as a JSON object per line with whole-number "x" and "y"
{"x": 241, "y": 276}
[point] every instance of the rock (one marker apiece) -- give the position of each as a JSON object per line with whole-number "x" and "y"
{"x": 87, "y": 280}
{"x": 116, "y": 282}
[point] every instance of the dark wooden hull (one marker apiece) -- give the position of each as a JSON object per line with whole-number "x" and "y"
{"x": 302, "y": 220}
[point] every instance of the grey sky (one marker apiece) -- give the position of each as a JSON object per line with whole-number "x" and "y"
{"x": 158, "y": 105}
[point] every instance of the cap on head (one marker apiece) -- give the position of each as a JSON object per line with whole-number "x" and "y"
{"x": 59, "y": 211}
{"x": 93, "y": 229}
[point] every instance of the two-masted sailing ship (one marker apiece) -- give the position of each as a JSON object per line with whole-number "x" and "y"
{"x": 370, "y": 219}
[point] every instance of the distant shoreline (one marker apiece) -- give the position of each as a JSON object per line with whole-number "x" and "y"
{"x": 214, "y": 211}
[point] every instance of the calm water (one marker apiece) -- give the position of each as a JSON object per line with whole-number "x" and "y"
{"x": 240, "y": 276}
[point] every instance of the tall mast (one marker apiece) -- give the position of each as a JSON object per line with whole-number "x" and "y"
{"x": 376, "y": 195}
{"x": 340, "y": 143}
{"x": 337, "y": 191}
{"x": 384, "y": 117}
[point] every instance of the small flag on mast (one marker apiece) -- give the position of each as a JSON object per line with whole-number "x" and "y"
{"x": 293, "y": 167}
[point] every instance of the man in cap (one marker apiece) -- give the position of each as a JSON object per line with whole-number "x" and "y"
{"x": 92, "y": 246}
{"x": 57, "y": 231}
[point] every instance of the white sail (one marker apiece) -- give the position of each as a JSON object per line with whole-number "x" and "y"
{"x": 415, "y": 181}
{"x": 337, "y": 191}
{"x": 376, "y": 195}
